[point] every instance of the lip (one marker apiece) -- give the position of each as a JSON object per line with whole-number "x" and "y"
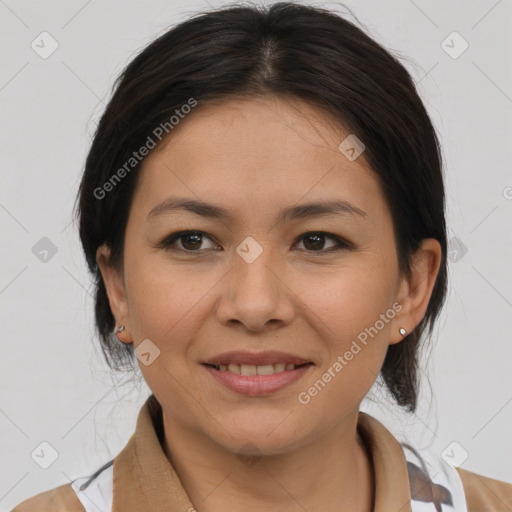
{"x": 256, "y": 358}
{"x": 257, "y": 385}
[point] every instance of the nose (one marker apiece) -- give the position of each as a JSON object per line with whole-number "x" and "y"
{"x": 255, "y": 294}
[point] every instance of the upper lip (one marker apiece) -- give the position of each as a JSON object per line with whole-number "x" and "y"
{"x": 255, "y": 358}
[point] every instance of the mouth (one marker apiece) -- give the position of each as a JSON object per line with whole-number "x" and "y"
{"x": 255, "y": 374}
{"x": 251, "y": 369}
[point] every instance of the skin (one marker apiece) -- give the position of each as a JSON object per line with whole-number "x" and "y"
{"x": 255, "y": 157}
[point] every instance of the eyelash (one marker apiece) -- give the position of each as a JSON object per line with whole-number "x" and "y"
{"x": 167, "y": 243}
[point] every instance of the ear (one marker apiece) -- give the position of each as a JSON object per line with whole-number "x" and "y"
{"x": 414, "y": 293}
{"x": 114, "y": 283}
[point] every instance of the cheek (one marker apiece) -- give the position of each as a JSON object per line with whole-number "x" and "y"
{"x": 168, "y": 307}
{"x": 347, "y": 308}
{"x": 347, "y": 313}
{"x": 348, "y": 300}
{"x": 166, "y": 301}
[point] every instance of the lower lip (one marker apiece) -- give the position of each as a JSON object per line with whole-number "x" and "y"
{"x": 255, "y": 385}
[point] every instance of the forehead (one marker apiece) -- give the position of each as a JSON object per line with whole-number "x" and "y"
{"x": 284, "y": 128}
{"x": 252, "y": 154}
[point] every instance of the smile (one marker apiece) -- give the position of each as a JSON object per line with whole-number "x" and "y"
{"x": 256, "y": 373}
{"x": 250, "y": 369}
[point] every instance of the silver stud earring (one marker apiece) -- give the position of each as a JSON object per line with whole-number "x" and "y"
{"x": 120, "y": 329}
{"x": 402, "y": 331}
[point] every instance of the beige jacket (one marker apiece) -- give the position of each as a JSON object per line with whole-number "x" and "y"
{"x": 144, "y": 479}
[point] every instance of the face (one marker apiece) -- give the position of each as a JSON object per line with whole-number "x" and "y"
{"x": 256, "y": 286}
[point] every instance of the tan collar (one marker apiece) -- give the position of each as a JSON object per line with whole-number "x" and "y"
{"x": 144, "y": 479}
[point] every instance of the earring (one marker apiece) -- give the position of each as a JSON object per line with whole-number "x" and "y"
{"x": 120, "y": 329}
{"x": 402, "y": 331}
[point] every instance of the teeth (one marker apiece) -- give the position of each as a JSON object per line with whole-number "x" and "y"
{"x": 234, "y": 368}
{"x": 279, "y": 367}
{"x": 250, "y": 369}
{"x": 266, "y": 369}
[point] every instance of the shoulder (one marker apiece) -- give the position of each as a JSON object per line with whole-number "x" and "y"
{"x": 433, "y": 479}
{"x": 83, "y": 494}
{"x": 59, "y": 499}
{"x": 485, "y": 494}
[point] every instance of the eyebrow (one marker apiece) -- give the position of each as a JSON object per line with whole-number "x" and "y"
{"x": 301, "y": 211}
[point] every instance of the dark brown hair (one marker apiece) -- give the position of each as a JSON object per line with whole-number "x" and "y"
{"x": 286, "y": 50}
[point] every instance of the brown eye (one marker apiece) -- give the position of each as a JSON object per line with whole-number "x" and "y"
{"x": 190, "y": 241}
{"x": 315, "y": 242}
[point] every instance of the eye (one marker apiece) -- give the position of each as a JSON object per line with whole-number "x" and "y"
{"x": 190, "y": 241}
{"x": 315, "y": 242}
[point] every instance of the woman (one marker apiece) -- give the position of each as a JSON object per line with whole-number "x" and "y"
{"x": 262, "y": 209}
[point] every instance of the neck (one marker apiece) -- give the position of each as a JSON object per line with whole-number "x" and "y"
{"x": 333, "y": 472}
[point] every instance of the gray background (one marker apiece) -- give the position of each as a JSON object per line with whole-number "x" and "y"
{"x": 55, "y": 385}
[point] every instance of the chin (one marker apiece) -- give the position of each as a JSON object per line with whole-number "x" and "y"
{"x": 259, "y": 434}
